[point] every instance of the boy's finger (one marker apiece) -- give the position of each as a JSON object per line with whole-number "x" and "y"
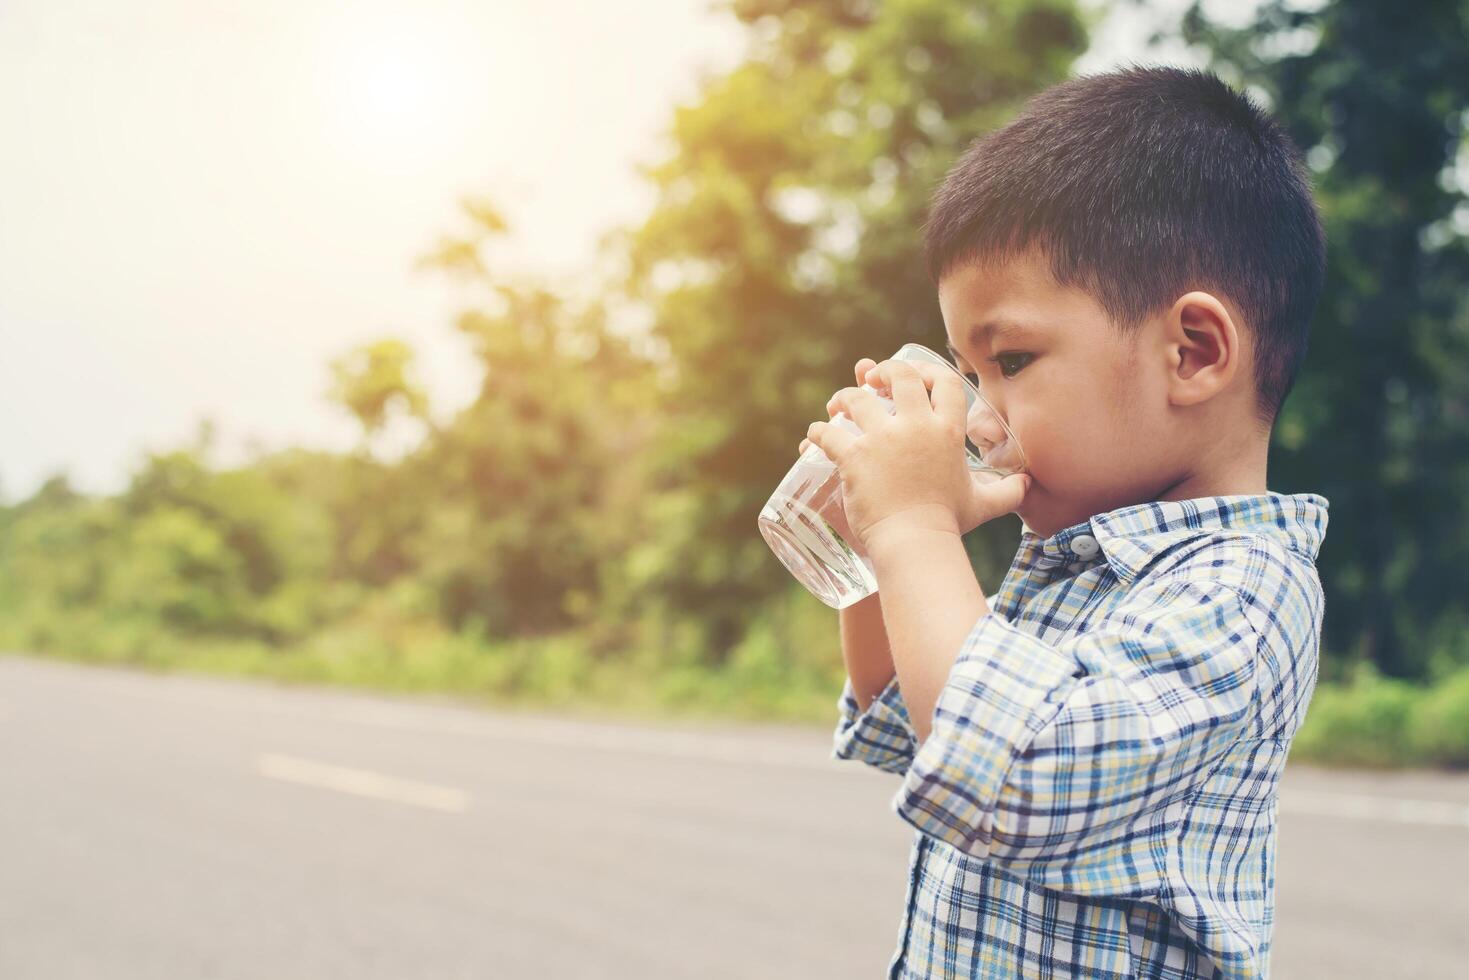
{"x": 930, "y": 373}
{"x": 833, "y": 441}
{"x": 860, "y": 405}
{"x": 947, "y": 394}
{"x": 907, "y": 383}
{"x": 863, "y": 366}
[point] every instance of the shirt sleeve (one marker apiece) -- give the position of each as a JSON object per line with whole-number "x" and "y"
{"x": 882, "y": 736}
{"x": 1054, "y": 760}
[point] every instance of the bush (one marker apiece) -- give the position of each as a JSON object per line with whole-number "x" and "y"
{"x": 1363, "y": 723}
{"x": 1438, "y": 731}
{"x": 1380, "y": 721}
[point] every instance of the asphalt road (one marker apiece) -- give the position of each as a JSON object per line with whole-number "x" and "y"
{"x": 168, "y": 827}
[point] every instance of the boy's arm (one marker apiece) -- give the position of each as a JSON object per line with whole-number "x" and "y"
{"x": 933, "y": 599}
{"x": 1051, "y": 759}
{"x": 865, "y": 649}
{"x": 873, "y": 725}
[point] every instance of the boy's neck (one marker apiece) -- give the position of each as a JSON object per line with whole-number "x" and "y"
{"x": 1242, "y": 474}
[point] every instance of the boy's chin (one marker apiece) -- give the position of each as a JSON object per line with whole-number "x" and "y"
{"x": 1028, "y": 511}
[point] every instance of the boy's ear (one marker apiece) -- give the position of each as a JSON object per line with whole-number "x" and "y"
{"x": 1203, "y": 346}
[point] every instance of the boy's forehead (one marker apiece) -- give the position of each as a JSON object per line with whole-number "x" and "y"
{"x": 995, "y": 289}
{"x": 999, "y": 314}
{"x": 1016, "y": 299}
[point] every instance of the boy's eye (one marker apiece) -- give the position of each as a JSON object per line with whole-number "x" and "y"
{"x": 1007, "y": 363}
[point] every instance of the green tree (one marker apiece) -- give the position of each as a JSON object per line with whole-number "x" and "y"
{"x": 374, "y": 381}
{"x": 784, "y": 245}
{"x": 52, "y": 550}
{"x": 529, "y": 487}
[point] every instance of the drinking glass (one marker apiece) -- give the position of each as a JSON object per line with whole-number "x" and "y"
{"x": 804, "y": 521}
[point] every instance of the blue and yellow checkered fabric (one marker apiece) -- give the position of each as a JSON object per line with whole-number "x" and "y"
{"x": 1097, "y": 797}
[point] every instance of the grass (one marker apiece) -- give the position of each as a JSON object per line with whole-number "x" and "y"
{"x": 1369, "y": 720}
{"x": 534, "y": 674}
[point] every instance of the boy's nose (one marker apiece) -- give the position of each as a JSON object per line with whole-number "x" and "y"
{"x": 984, "y": 428}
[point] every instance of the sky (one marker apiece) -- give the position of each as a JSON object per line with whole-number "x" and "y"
{"x": 206, "y": 202}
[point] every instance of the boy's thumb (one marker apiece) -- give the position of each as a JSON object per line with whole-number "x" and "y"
{"x": 1011, "y": 491}
{"x": 1001, "y": 497}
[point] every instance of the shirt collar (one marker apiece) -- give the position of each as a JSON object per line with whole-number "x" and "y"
{"x": 1130, "y": 537}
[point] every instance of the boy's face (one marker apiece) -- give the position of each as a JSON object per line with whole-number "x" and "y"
{"x": 1090, "y": 413}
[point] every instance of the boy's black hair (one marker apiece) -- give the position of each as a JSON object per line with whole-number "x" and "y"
{"x": 1139, "y": 185}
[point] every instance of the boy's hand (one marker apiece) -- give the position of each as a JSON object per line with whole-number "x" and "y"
{"x": 829, "y": 503}
{"x": 863, "y": 366}
{"x": 906, "y": 471}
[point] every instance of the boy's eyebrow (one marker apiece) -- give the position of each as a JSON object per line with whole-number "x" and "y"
{"x": 995, "y": 330}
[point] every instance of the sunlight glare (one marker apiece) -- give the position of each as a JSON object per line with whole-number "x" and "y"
{"x": 398, "y": 85}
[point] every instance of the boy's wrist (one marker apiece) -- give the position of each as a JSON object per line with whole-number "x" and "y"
{"x": 916, "y": 527}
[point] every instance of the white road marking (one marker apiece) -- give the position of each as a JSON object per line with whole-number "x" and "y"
{"x": 565, "y": 733}
{"x": 607, "y": 738}
{"x": 721, "y": 748}
{"x": 362, "y": 782}
{"x": 581, "y": 735}
{"x": 1363, "y": 806}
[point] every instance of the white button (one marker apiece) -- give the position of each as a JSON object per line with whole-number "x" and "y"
{"x": 1084, "y": 545}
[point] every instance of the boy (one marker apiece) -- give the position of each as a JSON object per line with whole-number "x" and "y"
{"x": 1091, "y": 755}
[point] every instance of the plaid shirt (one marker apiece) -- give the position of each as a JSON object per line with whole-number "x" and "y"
{"x": 1097, "y": 796}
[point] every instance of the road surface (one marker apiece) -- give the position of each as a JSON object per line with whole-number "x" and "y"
{"x": 166, "y": 827}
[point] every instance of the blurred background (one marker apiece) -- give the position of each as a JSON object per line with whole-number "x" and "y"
{"x": 452, "y": 348}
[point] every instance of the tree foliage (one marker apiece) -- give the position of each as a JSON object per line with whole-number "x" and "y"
{"x": 601, "y": 489}
{"x": 783, "y": 247}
